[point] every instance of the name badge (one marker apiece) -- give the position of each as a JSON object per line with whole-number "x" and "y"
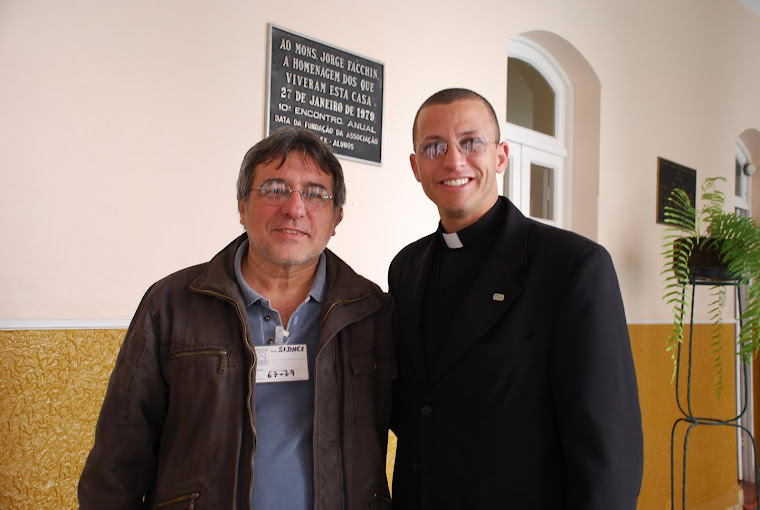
{"x": 281, "y": 363}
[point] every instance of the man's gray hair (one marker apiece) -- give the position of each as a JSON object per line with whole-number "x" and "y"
{"x": 279, "y": 145}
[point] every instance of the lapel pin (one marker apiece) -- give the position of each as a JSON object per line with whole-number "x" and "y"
{"x": 497, "y": 296}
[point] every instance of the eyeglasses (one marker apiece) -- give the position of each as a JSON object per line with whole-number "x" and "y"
{"x": 467, "y": 146}
{"x": 277, "y": 193}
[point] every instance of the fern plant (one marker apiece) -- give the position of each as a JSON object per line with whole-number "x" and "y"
{"x": 735, "y": 240}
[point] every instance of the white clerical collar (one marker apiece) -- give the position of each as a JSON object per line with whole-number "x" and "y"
{"x": 452, "y": 240}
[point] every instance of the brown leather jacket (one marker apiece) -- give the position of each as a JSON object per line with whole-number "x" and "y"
{"x": 177, "y": 428}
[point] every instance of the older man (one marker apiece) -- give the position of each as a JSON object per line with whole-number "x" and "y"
{"x": 261, "y": 379}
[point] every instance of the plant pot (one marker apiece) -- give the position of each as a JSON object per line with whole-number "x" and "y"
{"x": 705, "y": 263}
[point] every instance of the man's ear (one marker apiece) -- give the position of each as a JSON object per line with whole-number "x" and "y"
{"x": 502, "y": 157}
{"x": 338, "y": 219}
{"x": 241, "y": 210}
{"x": 413, "y": 162}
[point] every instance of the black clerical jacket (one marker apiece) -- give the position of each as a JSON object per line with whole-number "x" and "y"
{"x": 532, "y": 402}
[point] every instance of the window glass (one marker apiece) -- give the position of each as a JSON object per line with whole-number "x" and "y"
{"x": 530, "y": 97}
{"x": 738, "y": 181}
{"x": 541, "y": 192}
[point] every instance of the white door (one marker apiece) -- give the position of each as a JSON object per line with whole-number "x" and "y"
{"x": 534, "y": 182}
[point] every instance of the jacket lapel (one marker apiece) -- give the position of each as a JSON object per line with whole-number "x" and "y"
{"x": 414, "y": 313}
{"x": 491, "y": 295}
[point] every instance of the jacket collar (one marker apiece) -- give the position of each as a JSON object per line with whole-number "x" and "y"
{"x": 218, "y": 277}
{"x": 344, "y": 288}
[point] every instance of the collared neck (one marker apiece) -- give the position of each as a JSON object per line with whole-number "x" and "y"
{"x": 250, "y": 296}
{"x": 482, "y": 230}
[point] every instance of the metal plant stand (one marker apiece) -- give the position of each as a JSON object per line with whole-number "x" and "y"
{"x": 687, "y": 413}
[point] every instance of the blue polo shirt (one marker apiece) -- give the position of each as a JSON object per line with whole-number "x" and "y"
{"x": 283, "y": 465}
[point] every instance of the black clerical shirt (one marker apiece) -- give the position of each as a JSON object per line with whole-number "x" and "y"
{"x": 452, "y": 273}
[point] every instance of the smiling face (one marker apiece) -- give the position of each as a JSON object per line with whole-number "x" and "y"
{"x": 462, "y": 187}
{"x": 290, "y": 234}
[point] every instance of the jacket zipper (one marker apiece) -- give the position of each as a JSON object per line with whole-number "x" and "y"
{"x": 316, "y": 356}
{"x": 244, "y": 322}
{"x": 329, "y": 310}
{"x": 205, "y": 352}
{"x": 322, "y": 324}
{"x": 181, "y": 499}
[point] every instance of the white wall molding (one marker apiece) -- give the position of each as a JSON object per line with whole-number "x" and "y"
{"x": 11, "y": 324}
{"x": 670, "y": 322}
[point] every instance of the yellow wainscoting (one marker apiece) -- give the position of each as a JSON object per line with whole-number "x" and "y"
{"x": 711, "y": 470}
{"x": 52, "y": 384}
{"x": 391, "y": 457}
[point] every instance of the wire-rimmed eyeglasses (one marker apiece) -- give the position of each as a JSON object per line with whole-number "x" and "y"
{"x": 276, "y": 192}
{"x": 437, "y": 149}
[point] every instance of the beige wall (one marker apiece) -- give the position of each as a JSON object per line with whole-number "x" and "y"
{"x": 123, "y": 125}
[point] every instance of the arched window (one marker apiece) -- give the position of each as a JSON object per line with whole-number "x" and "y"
{"x": 539, "y": 96}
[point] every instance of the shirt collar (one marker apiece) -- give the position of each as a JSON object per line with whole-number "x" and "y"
{"x": 452, "y": 240}
{"x": 482, "y": 230}
{"x": 250, "y": 296}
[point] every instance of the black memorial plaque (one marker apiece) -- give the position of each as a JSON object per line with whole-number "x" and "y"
{"x": 669, "y": 177}
{"x": 336, "y": 94}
